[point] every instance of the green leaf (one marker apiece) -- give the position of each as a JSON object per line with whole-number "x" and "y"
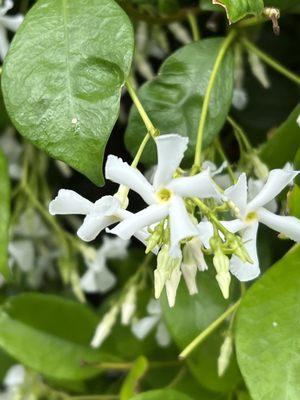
{"x": 293, "y": 201}
{"x": 164, "y": 394}
{"x": 238, "y": 9}
{"x": 4, "y": 215}
{"x": 63, "y": 76}
{"x": 132, "y": 379}
{"x": 284, "y": 142}
{"x": 190, "y": 316}
{"x": 50, "y": 335}
{"x": 174, "y": 99}
{"x": 268, "y": 326}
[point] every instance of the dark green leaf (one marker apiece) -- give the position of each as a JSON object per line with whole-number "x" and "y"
{"x": 284, "y": 142}
{"x": 164, "y": 394}
{"x": 63, "y": 76}
{"x": 190, "y": 316}
{"x": 268, "y": 326}
{"x": 174, "y": 98}
{"x": 237, "y": 10}
{"x": 50, "y": 335}
{"x": 132, "y": 379}
{"x": 4, "y": 215}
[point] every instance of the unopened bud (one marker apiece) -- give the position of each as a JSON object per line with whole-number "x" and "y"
{"x": 154, "y": 239}
{"x": 258, "y": 69}
{"x": 105, "y": 327}
{"x": 273, "y": 14}
{"x": 225, "y": 355}
{"x": 129, "y": 306}
{"x": 223, "y": 277}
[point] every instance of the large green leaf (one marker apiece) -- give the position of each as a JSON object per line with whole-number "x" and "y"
{"x": 174, "y": 98}
{"x": 284, "y": 142}
{"x": 163, "y": 394}
{"x": 131, "y": 381}
{"x": 238, "y": 9}
{"x": 63, "y": 76}
{"x": 4, "y": 215}
{"x": 267, "y": 332}
{"x": 190, "y": 316}
{"x": 50, "y": 335}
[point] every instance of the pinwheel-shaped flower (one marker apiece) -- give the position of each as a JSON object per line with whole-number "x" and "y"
{"x": 11, "y": 22}
{"x": 250, "y": 214}
{"x": 165, "y": 196}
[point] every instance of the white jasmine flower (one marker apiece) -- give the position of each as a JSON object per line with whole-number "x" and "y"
{"x": 10, "y": 22}
{"x": 12, "y": 150}
{"x": 105, "y": 326}
{"x": 144, "y": 326}
{"x": 165, "y": 196}
{"x": 98, "y": 278}
{"x": 22, "y": 253}
{"x": 129, "y": 306}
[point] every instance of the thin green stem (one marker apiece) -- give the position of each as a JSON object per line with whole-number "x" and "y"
{"x": 194, "y": 27}
{"x": 224, "y": 158}
{"x": 140, "y": 150}
{"x": 211, "y": 328}
{"x": 150, "y": 127}
{"x": 240, "y": 134}
{"x": 271, "y": 61}
{"x": 207, "y": 211}
{"x": 222, "y": 51}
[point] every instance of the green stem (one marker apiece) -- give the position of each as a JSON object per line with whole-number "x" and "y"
{"x": 207, "y": 211}
{"x": 224, "y": 158}
{"x": 271, "y": 62}
{"x": 140, "y": 150}
{"x": 150, "y": 127}
{"x": 224, "y": 47}
{"x": 211, "y": 328}
{"x": 240, "y": 134}
{"x": 194, "y": 26}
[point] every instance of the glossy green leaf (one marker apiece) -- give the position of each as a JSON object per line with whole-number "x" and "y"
{"x": 132, "y": 379}
{"x": 50, "y": 335}
{"x": 174, "y": 98}
{"x": 164, "y": 394}
{"x": 293, "y": 201}
{"x": 267, "y": 332}
{"x": 4, "y": 215}
{"x": 283, "y": 143}
{"x": 190, "y": 316}
{"x": 239, "y": 9}
{"x": 63, "y": 76}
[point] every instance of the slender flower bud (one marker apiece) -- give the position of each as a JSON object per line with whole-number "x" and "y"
{"x": 223, "y": 277}
{"x": 225, "y": 355}
{"x": 129, "y": 306}
{"x": 105, "y": 326}
{"x": 259, "y": 71}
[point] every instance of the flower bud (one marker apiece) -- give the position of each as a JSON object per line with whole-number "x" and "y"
{"x": 154, "y": 239}
{"x": 223, "y": 277}
{"x": 105, "y": 326}
{"x": 129, "y": 306}
{"x": 225, "y": 355}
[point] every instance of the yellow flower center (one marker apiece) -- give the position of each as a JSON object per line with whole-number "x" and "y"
{"x": 251, "y": 216}
{"x": 164, "y": 195}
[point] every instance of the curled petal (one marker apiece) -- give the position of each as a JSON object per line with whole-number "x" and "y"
{"x": 238, "y": 194}
{"x": 92, "y": 225}
{"x": 242, "y": 270}
{"x": 107, "y": 206}
{"x": 133, "y": 224}
{"x": 278, "y": 179}
{"x": 181, "y": 225}
{"x": 234, "y": 225}
{"x": 12, "y": 22}
{"x": 200, "y": 185}
{"x": 170, "y": 151}
{"x": 69, "y": 202}
{"x": 120, "y": 172}
{"x": 289, "y": 226}
{"x": 8, "y": 5}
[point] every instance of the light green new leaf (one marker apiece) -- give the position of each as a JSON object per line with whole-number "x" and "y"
{"x": 163, "y": 394}
{"x": 174, "y": 99}
{"x": 284, "y": 142}
{"x": 131, "y": 381}
{"x": 267, "y": 332}
{"x": 190, "y": 316}
{"x": 4, "y": 215}
{"x": 63, "y": 75}
{"x": 51, "y": 335}
{"x": 238, "y": 9}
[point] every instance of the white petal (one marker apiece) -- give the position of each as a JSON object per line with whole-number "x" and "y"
{"x": 69, "y": 202}
{"x": 12, "y": 22}
{"x": 181, "y": 225}
{"x": 93, "y": 225}
{"x": 114, "y": 247}
{"x": 162, "y": 335}
{"x": 15, "y": 376}
{"x": 277, "y": 180}
{"x": 205, "y": 232}
{"x": 170, "y": 151}
{"x": 23, "y": 253}
{"x": 144, "y": 326}
{"x": 242, "y": 270}
{"x": 154, "y": 307}
{"x": 289, "y": 226}
{"x": 172, "y": 286}
{"x": 254, "y": 187}
{"x": 200, "y": 185}
{"x": 136, "y": 222}
{"x": 8, "y": 5}
{"x": 234, "y": 225}
{"x": 4, "y": 43}
{"x": 143, "y": 235}
{"x": 189, "y": 272}
{"x": 238, "y": 194}
{"x": 98, "y": 282}
{"x": 120, "y": 172}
